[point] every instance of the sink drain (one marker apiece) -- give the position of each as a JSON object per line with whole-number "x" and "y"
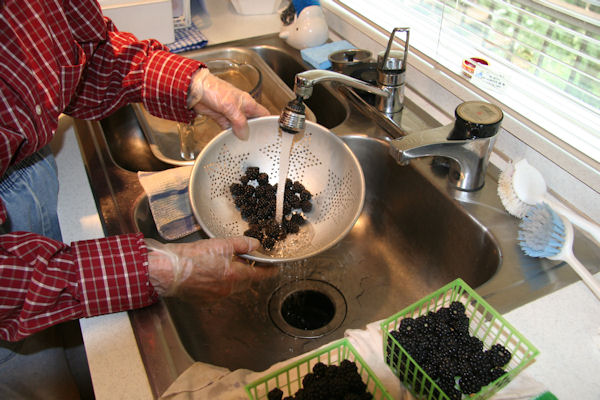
{"x": 307, "y": 308}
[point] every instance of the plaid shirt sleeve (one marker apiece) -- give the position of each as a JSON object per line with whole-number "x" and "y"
{"x": 121, "y": 69}
{"x": 45, "y": 282}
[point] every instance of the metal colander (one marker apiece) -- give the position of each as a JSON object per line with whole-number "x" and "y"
{"x": 319, "y": 160}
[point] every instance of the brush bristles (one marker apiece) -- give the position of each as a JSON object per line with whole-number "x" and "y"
{"x": 511, "y": 202}
{"x": 541, "y": 232}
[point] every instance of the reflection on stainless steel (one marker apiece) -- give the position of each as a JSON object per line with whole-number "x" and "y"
{"x": 415, "y": 234}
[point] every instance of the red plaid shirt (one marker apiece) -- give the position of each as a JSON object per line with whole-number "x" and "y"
{"x": 63, "y": 56}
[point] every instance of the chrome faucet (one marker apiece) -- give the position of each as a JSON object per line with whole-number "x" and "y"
{"x": 391, "y": 72}
{"x": 467, "y": 142}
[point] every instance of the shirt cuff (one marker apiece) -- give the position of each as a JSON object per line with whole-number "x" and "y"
{"x": 113, "y": 274}
{"x": 167, "y": 79}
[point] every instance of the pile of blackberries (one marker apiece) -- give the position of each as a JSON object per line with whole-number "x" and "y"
{"x": 256, "y": 199}
{"x": 329, "y": 382}
{"x": 441, "y": 345}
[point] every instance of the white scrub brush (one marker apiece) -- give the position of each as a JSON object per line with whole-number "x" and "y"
{"x": 521, "y": 186}
{"x": 545, "y": 234}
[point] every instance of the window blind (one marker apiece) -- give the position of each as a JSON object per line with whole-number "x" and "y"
{"x": 543, "y": 56}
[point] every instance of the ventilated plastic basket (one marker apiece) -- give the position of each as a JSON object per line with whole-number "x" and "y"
{"x": 484, "y": 323}
{"x": 289, "y": 378}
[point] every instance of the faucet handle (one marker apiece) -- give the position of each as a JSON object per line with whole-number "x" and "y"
{"x": 394, "y": 61}
{"x": 476, "y": 120}
{"x": 391, "y": 77}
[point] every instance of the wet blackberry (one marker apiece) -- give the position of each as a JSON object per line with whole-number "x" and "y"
{"x": 255, "y": 232}
{"x": 268, "y": 242}
{"x": 256, "y": 198}
{"x": 236, "y": 189}
{"x": 263, "y": 179}
{"x": 252, "y": 173}
{"x": 305, "y": 195}
{"x": 306, "y": 206}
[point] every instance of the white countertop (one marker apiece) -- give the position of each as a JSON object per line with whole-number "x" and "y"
{"x": 565, "y": 325}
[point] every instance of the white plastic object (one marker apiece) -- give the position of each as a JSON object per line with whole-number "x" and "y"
{"x": 566, "y": 255}
{"x": 182, "y": 13}
{"x": 255, "y": 7}
{"x": 146, "y": 19}
{"x": 309, "y": 29}
{"x": 530, "y": 187}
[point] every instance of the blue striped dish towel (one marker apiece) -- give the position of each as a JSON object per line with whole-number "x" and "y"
{"x": 186, "y": 39}
{"x": 167, "y": 193}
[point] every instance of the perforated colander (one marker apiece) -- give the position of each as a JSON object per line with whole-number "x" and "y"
{"x": 319, "y": 160}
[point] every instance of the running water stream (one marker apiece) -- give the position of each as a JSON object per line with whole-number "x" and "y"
{"x": 287, "y": 140}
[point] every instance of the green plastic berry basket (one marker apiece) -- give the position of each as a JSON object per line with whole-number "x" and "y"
{"x": 485, "y": 324}
{"x": 289, "y": 378}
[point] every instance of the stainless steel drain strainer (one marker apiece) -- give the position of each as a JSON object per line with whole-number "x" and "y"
{"x": 319, "y": 160}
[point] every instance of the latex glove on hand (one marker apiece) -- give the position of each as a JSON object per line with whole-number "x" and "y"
{"x": 206, "y": 270}
{"x": 227, "y": 105}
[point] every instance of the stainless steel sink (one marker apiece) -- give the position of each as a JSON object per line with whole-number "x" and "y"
{"x": 414, "y": 235}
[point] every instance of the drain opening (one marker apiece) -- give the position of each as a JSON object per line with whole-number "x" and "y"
{"x": 307, "y": 309}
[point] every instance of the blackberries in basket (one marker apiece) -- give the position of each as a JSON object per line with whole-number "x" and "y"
{"x": 329, "y": 382}
{"x": 441, "y": 345}
{"x": 256, "y": 200}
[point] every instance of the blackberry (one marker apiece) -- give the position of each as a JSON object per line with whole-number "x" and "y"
{"x": 289, "y": 226}
{"x": 499, "y": 355}
{"x": 239, "y": 201}
{"x": 306, "y": 206}
{"x": 262, "y": 179}
{"x": 252, "y": 173}
{"x": 297, "y": 219}
{"x": 469, "y": 384}
{"x": 305, "y": 195}
{"x": 254, "y": 232}
{"x": 288, "y": 184}
{"x": 275, "y": 394}
{"x": 496, "y": 373}
{"x": 408, "y": 327}
{"x": 268, "y": 242}
{"x": 297, "y": 187}
{"x": 236, "y": 189}
{"x": 319, "y": 369}
{"x": 457, "y": 308}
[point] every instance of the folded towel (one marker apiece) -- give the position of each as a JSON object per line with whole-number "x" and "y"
{"x": 186, "y": 39}
{"x": 318, "y": 56}
{"x": 169, "y": 201}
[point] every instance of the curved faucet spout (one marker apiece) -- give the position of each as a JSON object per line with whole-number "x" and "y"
{"x": 305, "y": 81}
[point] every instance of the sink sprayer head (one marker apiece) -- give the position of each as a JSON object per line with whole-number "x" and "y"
{"x": 293, "y": 117}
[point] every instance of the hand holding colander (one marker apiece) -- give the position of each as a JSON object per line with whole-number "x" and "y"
{"x": 319, "y": 160}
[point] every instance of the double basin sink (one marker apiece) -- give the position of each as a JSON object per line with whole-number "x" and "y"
{"x": 414, "y": 235}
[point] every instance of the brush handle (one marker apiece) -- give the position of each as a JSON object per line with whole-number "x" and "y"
{"x": 575, "y": 218}
{"x": 584, "y": 273}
